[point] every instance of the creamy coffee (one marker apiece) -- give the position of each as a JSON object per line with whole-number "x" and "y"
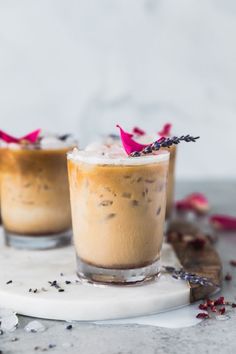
{"x": 114, "y": 143}
{"x": 35, "y": 190}
{"x": 118, "y": 208}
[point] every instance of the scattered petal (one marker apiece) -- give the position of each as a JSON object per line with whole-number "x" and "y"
{"x": 228, "y": 277}
{"x": 183, "y": 205}
{"x": 202, "y": 315}
{"x": 199, "y": 202}
{"x": 138, "y": 131}
{"x": 223, "y": 222}
{"x": 203, "y": 306}
{"x": 165, "y": 130}
{"x": 222, "y": 310}
{"x": 233, "y": 262}
{"x": 198, "y": 243}
{"x": 219, "y": 301}
{"x": 35, "y": 327}
{"x": 195, "y": 201}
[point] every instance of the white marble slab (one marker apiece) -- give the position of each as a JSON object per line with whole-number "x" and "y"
{"x": 82, "y": 302}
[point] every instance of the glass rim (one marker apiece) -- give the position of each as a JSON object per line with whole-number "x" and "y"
{"x": 90, "y": 157}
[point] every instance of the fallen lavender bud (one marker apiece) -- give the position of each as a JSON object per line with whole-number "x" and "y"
{"x": 190, "y": 277}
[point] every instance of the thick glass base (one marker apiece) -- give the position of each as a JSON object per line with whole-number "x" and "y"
{"x": 36, "y": 242}
{"x": 92, "y": 274}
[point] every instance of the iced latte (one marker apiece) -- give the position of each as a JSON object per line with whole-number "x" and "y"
{"x": 35, "y": 194}
{"x": 118, "y": 210}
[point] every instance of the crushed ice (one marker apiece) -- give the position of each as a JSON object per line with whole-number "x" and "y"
{"x": 35, "y": 327}
{"x": 67, "y": 345}
{"x": 222, "y": 317}
{"x": 8, "y": 320}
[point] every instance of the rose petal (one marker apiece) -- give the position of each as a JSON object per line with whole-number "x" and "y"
{"x": 223, "y": 222}
{"x": 228, "y": 277}
{"x": 195, "y": 201}
{"x": 199, "y": 202}
{"x": 138, "y": 131}
{"x": 31, "y": 137}
{"x": 202, "y": 315}
{"x": 8, "y": 138}
{"x": 219, "y": 301}
{"x": 183, "y": 205}
{"x": 128, "y": 143}
{"x": 165, "y": 130}
{"x": 222, "y": 310}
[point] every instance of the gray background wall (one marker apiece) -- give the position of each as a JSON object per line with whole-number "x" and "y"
{"x": 85, "y": 65}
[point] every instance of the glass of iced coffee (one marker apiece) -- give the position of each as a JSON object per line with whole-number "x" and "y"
{"x": 35, "y": 193}
{"x": 118, "y": 212}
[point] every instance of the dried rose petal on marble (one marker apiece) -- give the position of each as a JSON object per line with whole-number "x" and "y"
{"x": 219, "y": 301}
{"x": 198, "y": 243}
{"x": 223, "y": 222}
{"x": 228, "y": 277}
{"x": 202, "y": 315}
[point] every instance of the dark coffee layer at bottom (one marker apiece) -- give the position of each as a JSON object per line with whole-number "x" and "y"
{"x": 92, "y": 274}
{"x": 33, "y": 242}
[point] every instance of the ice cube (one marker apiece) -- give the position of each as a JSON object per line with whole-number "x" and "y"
{"x": 8, "y": 320}
{"x": 34, "y": 327}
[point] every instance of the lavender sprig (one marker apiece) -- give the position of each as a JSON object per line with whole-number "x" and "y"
{"x": 190, "y": 277}
{"x": 164, "y": 143}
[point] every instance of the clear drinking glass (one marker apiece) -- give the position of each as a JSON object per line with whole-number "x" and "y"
{"x": 171, "y": 181}
{"x": 118, "y": 212}
{"x": 35, "y": 202}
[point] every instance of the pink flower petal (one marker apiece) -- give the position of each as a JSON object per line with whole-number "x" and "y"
{"x": 223, "y": 222}
{"x": 165, "y": 130}
{"x": 138, "y": 131}
{"x": 128, "y": 143}
{"x": 199, "y": 202}
{"x": 195, "y": 201}
{"x": 183, "y": 204}
{"x": 32, "y": 137}
{"x": 8, "y": 138}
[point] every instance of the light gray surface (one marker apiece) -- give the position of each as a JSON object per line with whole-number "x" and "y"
{"x": 208, "y": 337}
